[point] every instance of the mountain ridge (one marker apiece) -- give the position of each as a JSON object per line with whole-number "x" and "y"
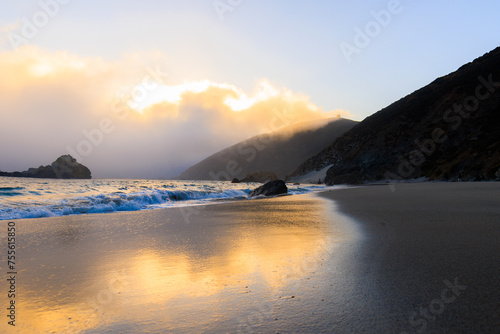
{"x": 279, "y": 152}
{"x": 447, "y": 130}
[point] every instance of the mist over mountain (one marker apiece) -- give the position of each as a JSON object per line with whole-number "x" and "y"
{"x": 279, "y": 152}
{"x": 447, "y": 130}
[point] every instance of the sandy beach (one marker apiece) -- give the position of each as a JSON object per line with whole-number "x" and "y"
{"x": 431, "y": 255}
{"x": 247, "y": 266}
{"x": 358, "y": 260}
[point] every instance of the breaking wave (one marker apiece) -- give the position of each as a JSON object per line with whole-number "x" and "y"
{"x": 61, "y": 197}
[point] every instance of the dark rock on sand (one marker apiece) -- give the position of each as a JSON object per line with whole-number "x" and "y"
{"x": 235, "y": 180}
{"x": 272, "y": 188}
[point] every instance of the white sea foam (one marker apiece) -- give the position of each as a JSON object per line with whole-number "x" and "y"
{"x": 37, "y": 198}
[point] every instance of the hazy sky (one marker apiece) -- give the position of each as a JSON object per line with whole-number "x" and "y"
{"x": 147, "y": 88}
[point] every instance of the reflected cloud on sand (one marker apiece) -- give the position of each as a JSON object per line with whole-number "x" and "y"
{"x": 150, "y": 270}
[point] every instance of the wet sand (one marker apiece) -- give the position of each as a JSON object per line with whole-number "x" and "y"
{"x": 418, "y": 237}
{"x": 242, "y": 267}
{"x": 362, "y": 263}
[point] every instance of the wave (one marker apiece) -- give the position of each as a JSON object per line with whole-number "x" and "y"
{"x": 10, "y": 191}
{"x": 10, "y": 188}
{"x": 117, "y": 200}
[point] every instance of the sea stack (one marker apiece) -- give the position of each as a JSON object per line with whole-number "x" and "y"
{"x": 65, "y": 167}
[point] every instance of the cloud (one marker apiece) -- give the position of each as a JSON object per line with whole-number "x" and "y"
{"x": 9, "y": 27}
{"x": 5, "y": 30}
{"x": 124, "y": 118}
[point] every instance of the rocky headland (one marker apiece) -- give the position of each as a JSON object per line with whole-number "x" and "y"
{"x": 65, "y": 167}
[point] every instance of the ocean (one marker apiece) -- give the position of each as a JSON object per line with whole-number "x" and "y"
{"x": 22, "y": 198}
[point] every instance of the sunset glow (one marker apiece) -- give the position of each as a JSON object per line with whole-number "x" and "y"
{"x": 174, "y": 94}
{"x": 161, "y": 71}
{"x": 231, "y": 166}
{"x": 142, "y": 103}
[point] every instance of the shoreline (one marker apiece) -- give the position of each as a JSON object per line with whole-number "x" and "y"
{"x": 42, "y": 199}
{"x": 356, "y": 259}
{"x": 215, "y": 268}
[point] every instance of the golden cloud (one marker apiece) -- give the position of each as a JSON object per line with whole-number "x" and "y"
{"x": 50, "y": 98}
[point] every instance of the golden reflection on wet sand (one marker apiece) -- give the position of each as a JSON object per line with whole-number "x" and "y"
{"x": 153, "y": 271}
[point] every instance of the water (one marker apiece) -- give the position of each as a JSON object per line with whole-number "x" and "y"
{"x": 36, "y": 198}
{"x": 229, "y": 269}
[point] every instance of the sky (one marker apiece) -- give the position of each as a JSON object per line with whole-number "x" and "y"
{"x": 144, "y": 89}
